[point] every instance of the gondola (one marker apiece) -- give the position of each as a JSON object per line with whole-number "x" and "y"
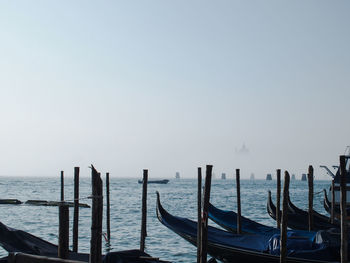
{"x": 165, "y": 181}
{"x": 251, "y": 248}
{"x": 328, "y": 207}
{"x": 13, "y": 240}
{"x": 336, "y": 178}
{"x": 298, "y": 219}
{"x": 228, "y": 221}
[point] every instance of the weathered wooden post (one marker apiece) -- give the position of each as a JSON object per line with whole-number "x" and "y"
{"x": 238, "y": 187}
{"x": 332, "y": 205}
{"x": 278, "y": 197}
{"x": 204, "y": 228}
{"x": 144, "y": 210}
{"x": 62, "y": 186}
{"x": 283, "y": 244}
{"x": 199, "y": 214}
{"x": 343, "y": 213}
{"x": 63, "y": 235}
{"x": 310, "y": 177}
{"x": 76, "y": 210}
{"x": 108, "y": 214}
{"x": 96, "y": 220}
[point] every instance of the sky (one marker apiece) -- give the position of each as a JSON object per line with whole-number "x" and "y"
{"x": 170, "y": 86}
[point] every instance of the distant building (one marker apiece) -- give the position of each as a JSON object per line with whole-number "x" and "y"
{"x": 242, "y": 150}
{"x": 252, "y": 176}
{"x": 268, "y": 177}
{"x": 303, "y": 177}
{"x": 223, "y": 176}
{"x": 177, "y": 175}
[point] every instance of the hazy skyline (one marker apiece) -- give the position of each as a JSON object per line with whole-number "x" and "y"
{"x": 173, "y": 85}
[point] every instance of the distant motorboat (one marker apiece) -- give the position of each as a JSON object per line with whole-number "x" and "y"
{"x": 303, "y": 177}
{"x": 293, "y": 176}
{"x": 223, "y": 176}
{"x": 177, "y": 175}
{"x": 164, "y": 181}
{"x": 252, "y": 176}
{"x": 268, "y": 177}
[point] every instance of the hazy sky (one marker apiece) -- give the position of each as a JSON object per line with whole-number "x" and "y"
{"x": 173, "y": 85}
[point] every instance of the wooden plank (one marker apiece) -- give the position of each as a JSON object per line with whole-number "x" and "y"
{"x": 26, "y": 258}
{"x": 53, "y": 203}
{"x": 10, "y": 202}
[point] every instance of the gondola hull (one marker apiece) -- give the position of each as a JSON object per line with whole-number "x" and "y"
{"x": 13, "y": 240}
{"x": 298, "y": 219}
{"x": 228, "y": 221}
{"x": 229, "y": 247}
{"x": 328, "y": 207}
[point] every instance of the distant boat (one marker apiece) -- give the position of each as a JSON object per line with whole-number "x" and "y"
{"x": 223, "y": 176}
{"x": 268, "y": 177}
{"x": 177, "y": 175}
{"x": 165, "y": 181}
{"x": 252, "y": 176}
{"x": 293, "y": 176}
{"x": 303, "y": 177}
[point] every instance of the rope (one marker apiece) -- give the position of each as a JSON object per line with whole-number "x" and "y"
{"x": 317, "y": 193}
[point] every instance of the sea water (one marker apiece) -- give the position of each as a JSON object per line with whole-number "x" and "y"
{"x": 179, "y": 197}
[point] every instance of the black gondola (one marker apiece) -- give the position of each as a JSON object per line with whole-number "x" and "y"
{"x": 13, "y": 240}
{"x": 251, "y": 248}
{"x": 298, "y": 218}
{"x": 228, "y": 221}
{"x": 328, "y": 207}
{"x": 336, "y": 177}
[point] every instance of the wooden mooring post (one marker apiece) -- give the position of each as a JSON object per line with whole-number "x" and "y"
{"x": 283, "y": 242}
{"x": 278, "y": 199}
{"x": 108, "y": 213}
{"x": 204, "y": 227}
{"x": 63, "y": 232}
{"x": 332, "y": 205}
{"x": 199, "y": 214}
{"x": 62, "y": 185}
{"x": 144, "y": 211}
{"x": 76, "y": 210}
{"x": 96, "y": 217}
{"x": 238, "y": 188}
{"x": 310, "y": 177}
{"x": 343, "y": 213}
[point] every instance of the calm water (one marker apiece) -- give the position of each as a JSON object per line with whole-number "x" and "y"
{"x": 178, "y": 197}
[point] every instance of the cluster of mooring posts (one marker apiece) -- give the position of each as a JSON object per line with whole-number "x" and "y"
{"x": 95, "y": 255}
{"x": 202, "y": 227}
